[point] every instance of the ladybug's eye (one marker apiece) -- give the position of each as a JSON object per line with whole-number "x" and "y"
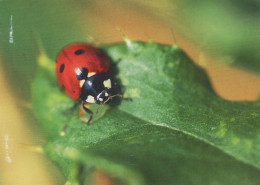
{"x": 79, "y": 52}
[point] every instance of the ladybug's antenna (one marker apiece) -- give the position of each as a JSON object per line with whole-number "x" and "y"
{"x": 109, "y": 98}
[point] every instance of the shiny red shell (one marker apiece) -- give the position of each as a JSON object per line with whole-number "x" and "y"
{"x": 78, "y": 55}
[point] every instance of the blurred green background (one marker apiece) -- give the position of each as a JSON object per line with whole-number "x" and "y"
{"x": 211, "y": 32}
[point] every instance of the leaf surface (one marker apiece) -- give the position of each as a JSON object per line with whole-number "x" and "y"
{"x": 176, "y": 130}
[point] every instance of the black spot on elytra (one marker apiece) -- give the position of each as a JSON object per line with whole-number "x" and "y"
{"x": 79, "y": 51}
{"x": 62, "y": 66}
{"x": 99, "y": 54}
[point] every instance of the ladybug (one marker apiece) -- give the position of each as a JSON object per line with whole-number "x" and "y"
{"x": 82, "y": 70}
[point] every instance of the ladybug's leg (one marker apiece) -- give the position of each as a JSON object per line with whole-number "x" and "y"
{"x": 88, "y": 111}
{"x": 74, "y": 106}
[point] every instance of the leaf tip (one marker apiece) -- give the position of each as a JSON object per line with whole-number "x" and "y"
{"x": 42, "y": 58}
{"x": 175, "y": 43}
{"x": 175, "y": 46}
{"x": 125, "y": 37}
{"x": 33, "y": 148}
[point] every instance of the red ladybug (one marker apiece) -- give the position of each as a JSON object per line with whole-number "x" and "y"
{"x": 83, "y": 71}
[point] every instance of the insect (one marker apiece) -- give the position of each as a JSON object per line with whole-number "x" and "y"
{"x": 83, "y": 72}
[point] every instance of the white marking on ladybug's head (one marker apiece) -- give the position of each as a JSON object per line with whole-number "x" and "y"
{"x": 81, "y": 83}
{"x": 91, "y": 74}
{"x": 90, "y": 99}
{"x": 89, "y": 83}
{"x": 107, "y": 83}
{"x": 78, "y": 71}
{"x": 98, "y": 97}
{"x": 101, "y": 97}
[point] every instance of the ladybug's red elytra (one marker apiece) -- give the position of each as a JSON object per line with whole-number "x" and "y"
{"x": 83, "y": 71}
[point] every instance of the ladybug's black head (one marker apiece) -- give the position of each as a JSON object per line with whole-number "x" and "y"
{"x": 95, "y": 89}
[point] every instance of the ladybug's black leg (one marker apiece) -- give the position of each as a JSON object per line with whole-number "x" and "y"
{"x": 74, "y": 106}
{"x": 88, "y": 111}
{"x": 76, "y": 103}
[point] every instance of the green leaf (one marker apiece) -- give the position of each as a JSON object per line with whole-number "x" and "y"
{"x": 176, "y": 130}
{"x": 227, "y": 29}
